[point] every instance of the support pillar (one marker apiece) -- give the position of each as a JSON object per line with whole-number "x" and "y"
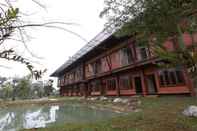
{"x": 117, "y": 86}
{"x": 143, "y": 82}
{"x": 189, "y": 82}
{"x": 157, "y": 80}
{"x": 85, "y": 90}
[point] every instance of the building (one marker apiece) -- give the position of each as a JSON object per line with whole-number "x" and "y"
{"x": 112, "y": 66}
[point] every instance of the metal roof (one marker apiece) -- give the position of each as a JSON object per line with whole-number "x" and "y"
{"x": 103, "y": 35}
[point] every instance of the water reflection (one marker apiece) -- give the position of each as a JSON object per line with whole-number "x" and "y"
{"x": 6, "y": 120}
{"x": 15, "y": 118}
{"x": 39, "y": 118}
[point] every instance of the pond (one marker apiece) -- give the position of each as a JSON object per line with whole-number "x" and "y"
{"x": 15, "y": 118}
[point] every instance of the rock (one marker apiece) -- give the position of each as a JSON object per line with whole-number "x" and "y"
{"x": 131, "y": 100}
{"x": 139, "y": 102}
{"x": 102, "y": 98}
{"x": 87, "y": 98}
{"x": 53, "y": 99}
{"x": 125, "y": 101}
{"x": 190, "y": 111}
{"x": 42, "y": 99}
{"x": 110, "y": 100}
{"x": 137, "y": 110}
{"x": 117, "y": 100}
{"x": 93, "y": 98}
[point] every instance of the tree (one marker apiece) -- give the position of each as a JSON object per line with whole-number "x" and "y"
{"x": 152, "y": 22}
{"x": 37, "y": 89}
{"x": 23, "y": 88}
{"x": 6, "y": 91}
{"x": 48, "y": 87}
{"x": 11, "y": 24}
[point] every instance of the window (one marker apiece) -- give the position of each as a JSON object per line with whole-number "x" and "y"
{"x": 62, "y": 80}
{"x": 70, "y": 89}
{"x": 65, "y": 79}
{"x": 180, "y": 77}
{"x": 105, "y": 64}
{"x": 79, "y": 73}
{"x": 111, "y": 84}
{"x": 97, "y": 66}
{"x": 96, "y": 86}
{"x": 72, "y": 77}
{"x": 171, "y": 77}
{"x": 89, "y": 70}
{"x": 59, "y": 81}
{"x": 66, "y": 90}
{"x": 93, "y": 68}
{"x": 143, "y": 53}
{"x": 114, "y": 60}
{"x": 76, "y": 88}
{"x": 167, "y": 78}
{"x": 162, "y": 80}
{"x": 125, "y": 82}
{"x": 126, "y": 56}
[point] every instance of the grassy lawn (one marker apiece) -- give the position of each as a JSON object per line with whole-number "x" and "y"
{"x": 157, "y": 114}
{"x": 51, "y": 100}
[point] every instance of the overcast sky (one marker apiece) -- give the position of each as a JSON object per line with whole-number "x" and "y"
{"x": 54, "y": 46}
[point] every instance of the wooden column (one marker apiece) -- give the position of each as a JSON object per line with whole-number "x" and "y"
{"x": 65, "y": 91}
{"x": 104, "y": 87}
{"x": 101, "y": 87}
{"x": 68, "y": 91}
{"x": 157, "y": 80}
{"x": 189, "y": 82}
{"x": 117, "y": 85}
{"x": 85, "y": 85}
{"x": 143, "y": 82}
{"x": 85, "y": 90}
{"x": 61, "y": 88}
{"x": 81, "y": 90}
{"x": 71, "y": 91}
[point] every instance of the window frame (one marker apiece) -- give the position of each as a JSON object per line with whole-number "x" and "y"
{"x": 109, "y": 88}
{"x": 143, "y": 52}
{"x": 126, "y": 55}
{"x": 167, "y": 81}
{"x": 129, "y": 82}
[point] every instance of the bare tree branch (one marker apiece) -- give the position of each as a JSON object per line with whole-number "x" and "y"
{"x": 10, "y": 23}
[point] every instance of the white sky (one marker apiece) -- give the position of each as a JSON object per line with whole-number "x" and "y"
{"x": 54, "y": 45}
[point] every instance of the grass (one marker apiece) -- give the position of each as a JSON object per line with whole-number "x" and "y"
{"x": 60, "y": 100}
{"x": 157, "y": 114}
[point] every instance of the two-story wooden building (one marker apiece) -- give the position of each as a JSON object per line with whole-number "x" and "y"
{"x": 112, "y": 66}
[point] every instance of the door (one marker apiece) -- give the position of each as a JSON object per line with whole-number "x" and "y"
{"x": 151, "y": 83}
{"x": 138, "y": 85}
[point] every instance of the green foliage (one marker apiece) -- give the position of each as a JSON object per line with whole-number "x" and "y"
{"x": 150, "y": 16}
{"x": 155, "y": 21}
{"x": 48, "y": 87}
{"x": 12, "y": 13}
{"x": 23, "y": 88}
{"x": 6, "y": 91}
{"x": 10, "y": 23}
{"x": 156, "y": 114}
{"x": 37, "y": 90}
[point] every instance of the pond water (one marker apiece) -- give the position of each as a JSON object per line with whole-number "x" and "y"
{"x": 15, "y": 118}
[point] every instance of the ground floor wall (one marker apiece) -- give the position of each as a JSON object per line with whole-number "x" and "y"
{"x": 148, "y": 80}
